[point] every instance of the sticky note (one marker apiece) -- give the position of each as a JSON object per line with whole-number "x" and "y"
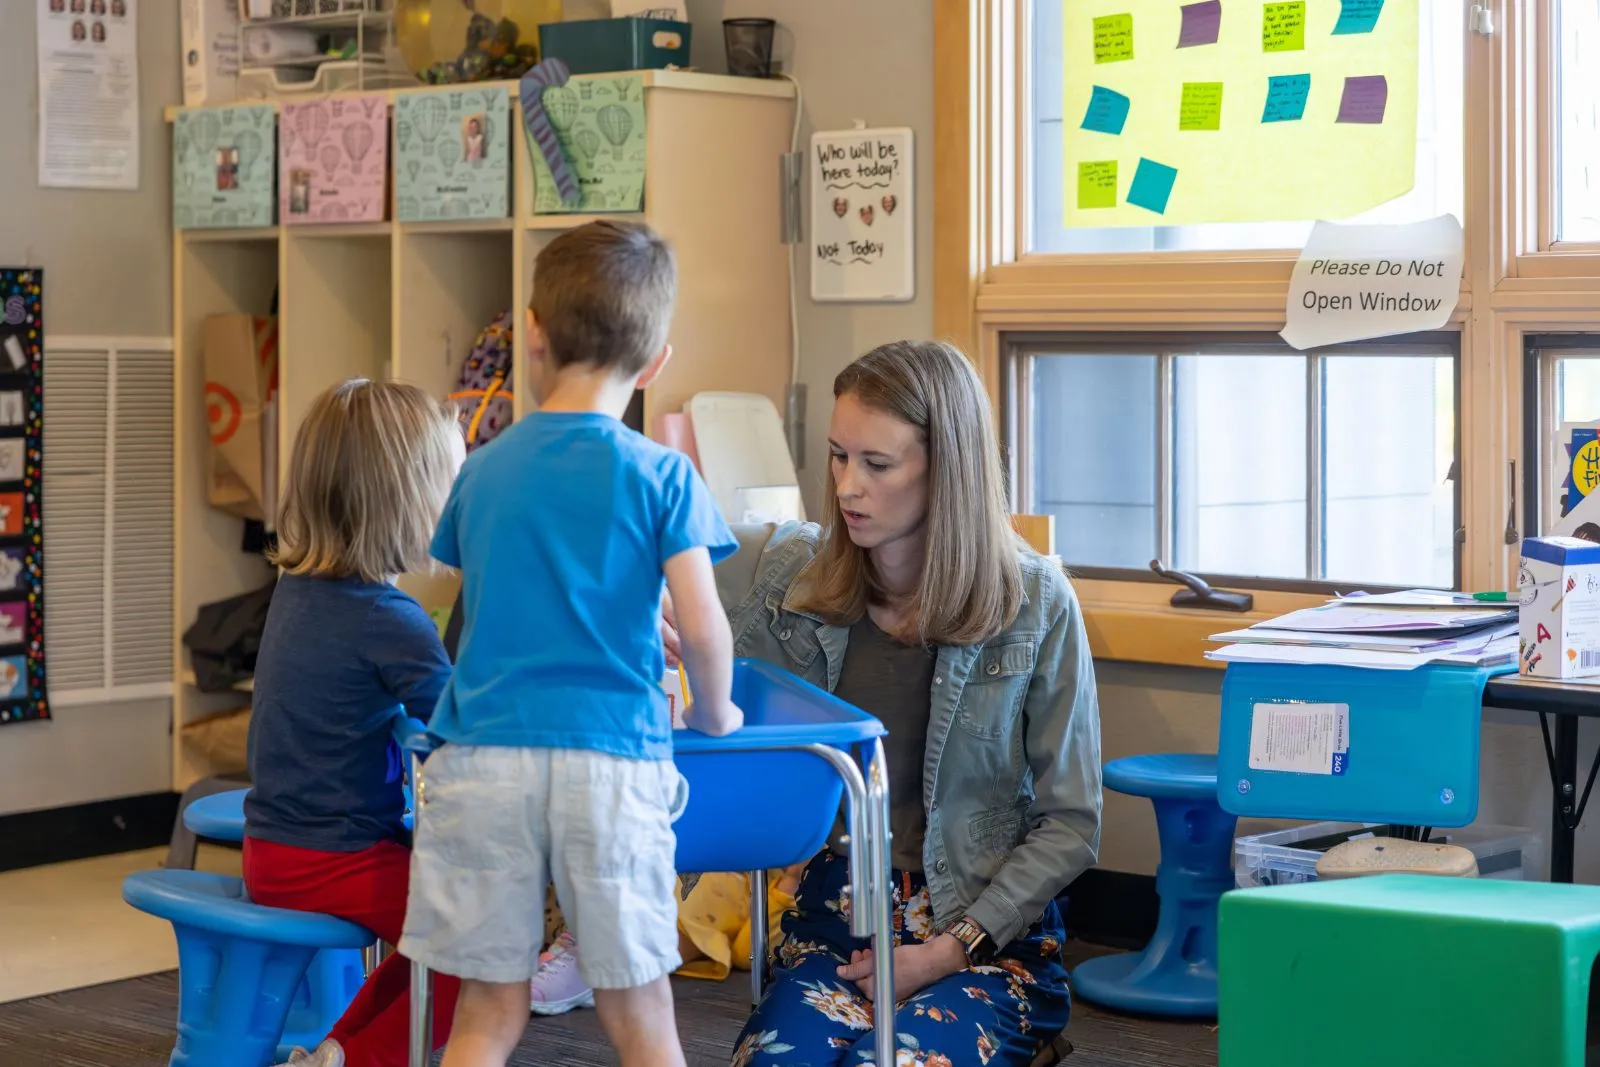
{"x": 1283, "y": 27}
{"x": 1108, "y": 111}
{"x": 1364, "y": 99}
{"x": 1152, "y": 186}
{"x": 1202, "y": 23}
{"x": 1201, "y": 106}
{"x": 1286, "y": 98}
{"x": 1358, "y": 16}
{"x": 1097, "y": 184}
{"x": 1113, "y": 38}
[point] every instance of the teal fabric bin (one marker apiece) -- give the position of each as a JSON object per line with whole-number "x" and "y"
{"x": 602, "y": 46}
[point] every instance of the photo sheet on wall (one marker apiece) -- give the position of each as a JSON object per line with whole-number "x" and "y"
{"x": 23, "y": 696}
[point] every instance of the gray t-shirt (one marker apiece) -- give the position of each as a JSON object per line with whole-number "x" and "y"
{"x": 892, "y": 682}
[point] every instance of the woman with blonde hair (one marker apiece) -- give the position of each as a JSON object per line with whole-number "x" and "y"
{"x": 342, "y": 652}
{"x": 916, "y": 602}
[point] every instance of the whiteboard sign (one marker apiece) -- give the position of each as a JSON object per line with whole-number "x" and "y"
{"x": 862, "y": 216}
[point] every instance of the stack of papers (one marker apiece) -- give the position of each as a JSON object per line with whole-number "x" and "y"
{"x": 1394, "y": 631}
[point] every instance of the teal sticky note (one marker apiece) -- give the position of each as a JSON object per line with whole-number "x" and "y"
{"x": 1286, "y": 98}
{"x": 1358, "y": 16}
{"x": 1152, "y": 186}
{"x": 1108, "y": 111}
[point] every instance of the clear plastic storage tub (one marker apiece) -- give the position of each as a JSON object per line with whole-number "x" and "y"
{"x": 1288, "y": 857}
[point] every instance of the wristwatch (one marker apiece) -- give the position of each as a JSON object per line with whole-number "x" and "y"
{"x": 975, "y": 941}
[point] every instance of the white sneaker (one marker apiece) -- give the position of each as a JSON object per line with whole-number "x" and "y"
{"x": 558, "y": 987}
{"x": 328, "y": 1054}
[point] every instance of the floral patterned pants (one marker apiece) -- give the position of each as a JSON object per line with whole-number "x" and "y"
{"x": 998, "y": 1015}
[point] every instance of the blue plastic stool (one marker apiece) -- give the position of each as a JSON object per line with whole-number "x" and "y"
{"x": 334, "y": 975}
{"x": 241, "y": 966}
{"x": 1176, "y": 974}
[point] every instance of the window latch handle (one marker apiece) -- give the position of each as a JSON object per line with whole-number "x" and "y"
{"x": 1197, "y": 593}
{"x": 1482, "y": 20}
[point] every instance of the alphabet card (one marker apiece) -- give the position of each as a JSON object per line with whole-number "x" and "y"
{"x": 863, "y": 226}
{"x": 333, "y": 160}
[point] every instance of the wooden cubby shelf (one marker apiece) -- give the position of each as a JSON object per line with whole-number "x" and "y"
{"x": 407, "y": 300}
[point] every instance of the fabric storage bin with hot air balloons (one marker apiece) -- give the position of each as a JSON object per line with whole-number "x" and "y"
{"x": 222, "y": 167}
{"x": 452, "y": 157}
{"x": 600, "y": 123}
{"x": 333, "y": 156}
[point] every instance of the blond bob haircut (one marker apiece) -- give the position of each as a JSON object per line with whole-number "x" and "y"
{"x": 971, "y": 584}
{"x": 369, "y": 476}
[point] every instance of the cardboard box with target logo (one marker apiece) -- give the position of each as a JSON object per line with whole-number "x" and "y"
{"x": 241, "y": 365}
{"x": 1559, "y": 617}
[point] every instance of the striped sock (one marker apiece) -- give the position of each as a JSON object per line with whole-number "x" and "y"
{"x": 551, "y": 72}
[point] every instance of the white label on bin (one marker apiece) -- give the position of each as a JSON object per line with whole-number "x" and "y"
{"x": 1300, "y": 738}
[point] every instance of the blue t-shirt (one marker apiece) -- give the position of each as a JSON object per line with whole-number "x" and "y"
{"x": 339, "y": 658}
{"x": 560, "y": 529}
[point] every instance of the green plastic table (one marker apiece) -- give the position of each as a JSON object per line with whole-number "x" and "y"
{"x": 1406, "y": 971}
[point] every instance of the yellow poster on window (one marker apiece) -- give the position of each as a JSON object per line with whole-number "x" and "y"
{"x": 1237, "y": 110}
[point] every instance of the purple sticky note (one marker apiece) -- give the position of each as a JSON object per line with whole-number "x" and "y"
{"x": 1202, "y": 23}
{"x": 1364, "y": 99}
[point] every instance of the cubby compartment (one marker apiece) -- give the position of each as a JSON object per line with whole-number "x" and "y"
{"x": 336, "y": 316}
{"x": 451, "y": 281}
{"x": 218, "y": 273}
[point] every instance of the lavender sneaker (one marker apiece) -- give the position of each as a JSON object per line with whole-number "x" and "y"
{"x": 558, "y": 987}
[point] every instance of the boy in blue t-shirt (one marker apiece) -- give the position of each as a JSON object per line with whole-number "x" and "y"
{"x": 558, "y": 762}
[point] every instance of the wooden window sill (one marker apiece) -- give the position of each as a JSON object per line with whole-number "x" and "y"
{"x": 1134, "y": 622}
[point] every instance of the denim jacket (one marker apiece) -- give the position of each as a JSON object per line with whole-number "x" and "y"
{"x": 1011, "y": 777}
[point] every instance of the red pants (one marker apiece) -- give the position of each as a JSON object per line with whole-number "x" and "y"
{"x": 368, "y": 888}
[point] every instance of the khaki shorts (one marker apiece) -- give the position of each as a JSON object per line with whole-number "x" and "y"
{"x": 496, "y": 825}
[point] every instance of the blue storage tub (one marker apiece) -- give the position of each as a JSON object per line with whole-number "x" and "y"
{"x": 605, "y": 46}
{"x": 751, "y": 808}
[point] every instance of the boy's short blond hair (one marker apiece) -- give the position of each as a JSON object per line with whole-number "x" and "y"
{"x": 603, "y": 296}
{"x": 371, "y": 470}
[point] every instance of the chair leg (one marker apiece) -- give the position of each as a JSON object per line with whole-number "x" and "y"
{"x": 758, "y": 934}
{"x": 181, "y": 851}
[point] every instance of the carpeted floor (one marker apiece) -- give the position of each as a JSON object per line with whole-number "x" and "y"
{"x": 130, "y": 1024}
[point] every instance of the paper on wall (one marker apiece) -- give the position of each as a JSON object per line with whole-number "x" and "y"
{"x": 88, "y": 94}
{"x": 1353, "y": 283}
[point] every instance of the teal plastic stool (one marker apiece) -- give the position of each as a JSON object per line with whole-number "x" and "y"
{"x": 1407, "y": 971}
{"x": 240, "y": 965}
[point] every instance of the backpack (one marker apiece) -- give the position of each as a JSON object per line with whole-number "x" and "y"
{"x": 483, "y": 388}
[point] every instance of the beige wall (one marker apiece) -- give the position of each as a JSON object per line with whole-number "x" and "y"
{"x": 871, "y": 61}
{"x": 108, "y": 270}
{"x": 107, "y": 255}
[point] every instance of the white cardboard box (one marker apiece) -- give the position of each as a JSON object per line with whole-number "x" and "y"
{"x": 672, "y": 685}
{"x": 1559, "y": 617}
{"x": 210, "y": 38}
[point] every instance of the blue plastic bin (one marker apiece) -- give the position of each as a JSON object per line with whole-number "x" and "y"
{"x": 751, "y": 808}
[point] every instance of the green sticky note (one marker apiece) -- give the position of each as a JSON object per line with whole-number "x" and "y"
{"x": 1283, "y": 27}
{"x": 1097, "y": 184}
{"x": 1113, "y": 38}
{"x": 1201, "y": 108}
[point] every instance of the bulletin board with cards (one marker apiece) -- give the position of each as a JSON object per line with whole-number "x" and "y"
{"x": 23, "y": 695}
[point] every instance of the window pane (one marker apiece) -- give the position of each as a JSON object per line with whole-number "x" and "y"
{"x": 1577, "y": 396}
{"x": 1094, "y": 456}
{"x": 1389, "y": 442}
{"x": 1578, "y": 145}
{"x": 1439, "y": 185}
{"x": 1239, "y": 465}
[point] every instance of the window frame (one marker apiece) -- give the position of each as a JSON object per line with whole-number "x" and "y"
{"x": 1511, "y": 288}
{"x": 1022, "y": 349}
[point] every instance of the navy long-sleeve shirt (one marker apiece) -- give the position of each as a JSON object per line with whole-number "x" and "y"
{"x": 339, "y": 659}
